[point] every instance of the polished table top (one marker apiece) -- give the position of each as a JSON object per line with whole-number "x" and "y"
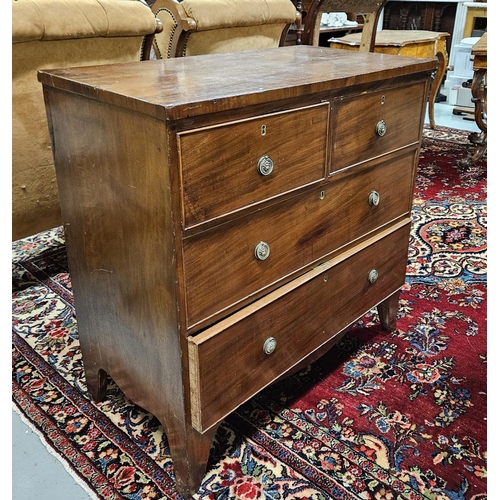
{"x": 394, "y": 37}
{"x": 479, "y": 51}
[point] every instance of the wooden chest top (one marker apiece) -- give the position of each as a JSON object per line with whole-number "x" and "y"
{"x": 178, "y": 88}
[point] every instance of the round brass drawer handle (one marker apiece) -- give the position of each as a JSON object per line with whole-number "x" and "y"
{"x": 262, "y": 250}
{"x": 381, "y": 128}
{"x": 270, "y": 345}
{"x": 373, "y": 276}
{"x": 265, "y": 165}
{"x": 373, "y": 199}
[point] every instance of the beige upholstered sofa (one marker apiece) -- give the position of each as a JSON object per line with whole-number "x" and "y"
{"x": 51, "y": 34}
{"x": 62, "y": 33}
{"x": 195, "y": 27}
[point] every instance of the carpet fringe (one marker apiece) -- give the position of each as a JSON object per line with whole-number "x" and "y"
{"x": 56, "y": 455}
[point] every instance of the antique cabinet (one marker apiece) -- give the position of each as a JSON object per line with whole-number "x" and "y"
{"x": 421, "y": 15}
{"x": 227, "y": 218}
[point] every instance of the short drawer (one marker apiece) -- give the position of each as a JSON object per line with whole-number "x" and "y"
{"x": 230, "y": 166}
{"x": 370, "y": 125}
{"x": 223, "y": 266}
{"x": 228, "y": 363}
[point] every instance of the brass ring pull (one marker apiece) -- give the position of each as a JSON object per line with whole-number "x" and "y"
{"x": 262, "y": 251}
{"x": 373, "y": 199}
{"x": 265, "y": 165}
{"x": 373, "y": 276}
{"x": 269, "y": 345}
{"x": 381, "y": 128}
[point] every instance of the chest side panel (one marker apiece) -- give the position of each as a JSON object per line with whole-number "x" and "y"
{"x": 114, "y": 186}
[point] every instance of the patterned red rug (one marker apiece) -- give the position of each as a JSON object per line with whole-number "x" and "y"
{"x": 400, "y": 416}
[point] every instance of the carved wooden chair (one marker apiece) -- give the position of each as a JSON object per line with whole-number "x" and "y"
{"x": 370, "y": 9}
{"x": 195, "y": 27}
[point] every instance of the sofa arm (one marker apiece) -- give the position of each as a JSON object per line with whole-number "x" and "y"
{"x": 228, "y": 13}
{"x": 193, "y": 27}
{"x": 69, "y": 19}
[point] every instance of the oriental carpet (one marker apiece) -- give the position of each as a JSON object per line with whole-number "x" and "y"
{"x": 382, "y": 416}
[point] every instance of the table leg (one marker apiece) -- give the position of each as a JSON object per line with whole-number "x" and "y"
{"x": 388, "y": 311}
{"x": 97, "y": 383}
{"x": 189, "y": 450}
{"x": 479, "y": 98}
{"x": 436, "y": 84}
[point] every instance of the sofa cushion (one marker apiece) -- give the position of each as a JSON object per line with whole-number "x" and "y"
{"x": 66, "y": 19}
{"x": 228, "y": 13}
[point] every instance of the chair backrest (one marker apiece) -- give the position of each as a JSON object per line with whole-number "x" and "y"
{"x": 195, "y": 27}
{"x": 370, "y": 9}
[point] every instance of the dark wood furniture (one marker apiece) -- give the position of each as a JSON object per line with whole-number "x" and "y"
{"x": 308, "y": 29}
{"x": 428, "y": 16}
{"x": 370, "y": 8}
{"x": 479, "y": 98}
{"x": 214, "y": 245}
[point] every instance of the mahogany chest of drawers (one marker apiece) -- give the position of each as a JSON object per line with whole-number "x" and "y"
{"x": 228, "y": 216}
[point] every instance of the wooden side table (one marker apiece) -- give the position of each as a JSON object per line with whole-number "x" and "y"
{"x": 479, "y": 98}
{"x": 412, "y": 43}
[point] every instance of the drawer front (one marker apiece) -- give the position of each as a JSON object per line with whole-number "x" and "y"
{"x": 228, "y": 362}
{"x": 373, "y": 124}
{"x": 220, "y": 165}
{"x": 222, "y": 268}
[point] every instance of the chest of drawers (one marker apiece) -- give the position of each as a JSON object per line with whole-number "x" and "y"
{"x": 227, "y": 218}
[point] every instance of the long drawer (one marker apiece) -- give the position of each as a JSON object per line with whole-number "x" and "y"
{"x": 376, "y": 123}
{"x": 321, "y": 303}
{"x": 223, "y": 266}
{"x": 229, "y": 166}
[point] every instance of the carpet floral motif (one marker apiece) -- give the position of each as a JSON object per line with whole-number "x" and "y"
{"x": 448, "y": 237}
{"x": 381, "y": 416}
